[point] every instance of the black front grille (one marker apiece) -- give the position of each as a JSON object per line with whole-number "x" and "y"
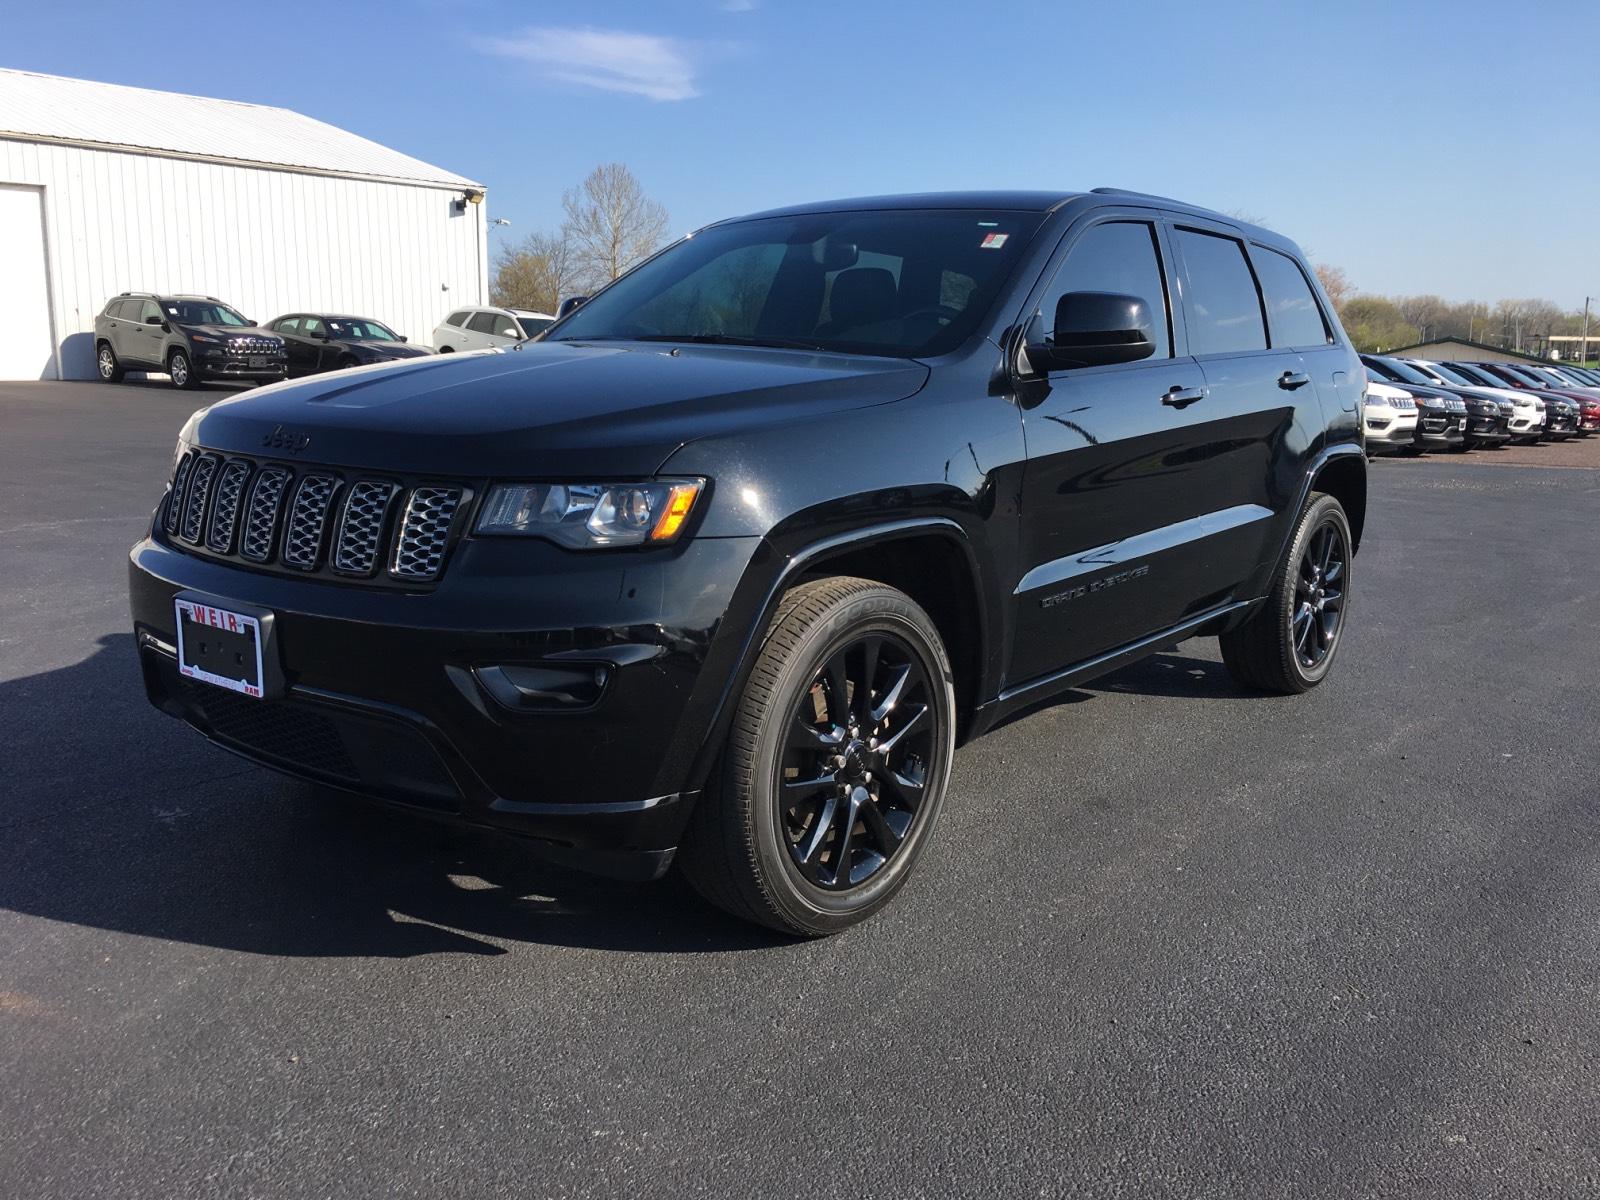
{"x": 315, "y": 520}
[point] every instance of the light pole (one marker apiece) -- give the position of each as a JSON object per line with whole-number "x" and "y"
{"x": 1583, "y": 355}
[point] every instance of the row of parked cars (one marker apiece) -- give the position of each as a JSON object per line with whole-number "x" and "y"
{"x": 1415, "y": 404}
{"x": 195, "y": 339}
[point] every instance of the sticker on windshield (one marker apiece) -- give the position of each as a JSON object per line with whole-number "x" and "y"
{"x": 993, "y": 241}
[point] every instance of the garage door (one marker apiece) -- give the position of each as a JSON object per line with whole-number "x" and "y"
{"x": 26, "y": 351}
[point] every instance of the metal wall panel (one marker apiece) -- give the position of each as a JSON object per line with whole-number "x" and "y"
{"x": 267, "y": 241}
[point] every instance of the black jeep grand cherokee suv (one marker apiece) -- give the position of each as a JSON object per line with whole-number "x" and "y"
{"x": 192, "y": 338}
{"x": 729, "y": 562}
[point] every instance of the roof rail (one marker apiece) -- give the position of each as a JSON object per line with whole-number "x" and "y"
{"x": 1112, "y": 191}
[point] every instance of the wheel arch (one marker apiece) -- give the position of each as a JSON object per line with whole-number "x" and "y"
{"x": 1343, "y": 475}
{"x": 931, "y": 559}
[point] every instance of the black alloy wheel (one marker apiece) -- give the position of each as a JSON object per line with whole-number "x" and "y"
{"x": 855, "y": 767}
{"x": 1289, "y": 642}
{"x": 1318, "y": 614}
{"x": 835, "y": 765}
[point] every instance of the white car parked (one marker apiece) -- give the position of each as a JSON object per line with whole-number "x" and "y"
{"x": 485, "y": 328}
{"x": 1389, "y": 419}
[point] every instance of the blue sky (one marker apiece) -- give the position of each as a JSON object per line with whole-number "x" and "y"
{"x": 1424, "y": 147}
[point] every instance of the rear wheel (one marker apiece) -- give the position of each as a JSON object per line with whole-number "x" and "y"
{"x": 447, "y": 350}
{"x": 835, "y": 767}
{"x": 181, "y": 371}
{"x": 106, "y": 360}
{"x": 1288, "y": 646}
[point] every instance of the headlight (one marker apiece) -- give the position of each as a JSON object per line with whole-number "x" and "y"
{"x": 591, "y": 516}
{"x": 204, "y": 340}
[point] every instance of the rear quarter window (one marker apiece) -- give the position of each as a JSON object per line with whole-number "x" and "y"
{"x": 1293, "y": 316}
{"x": 456, "y": 318}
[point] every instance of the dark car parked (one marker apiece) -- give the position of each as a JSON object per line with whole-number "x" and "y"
{"x": 724, "y": 567}
{"x": 327, "y": 342}
{"x": 1441, "y": 412}
{"x": 1488, "y": 424}
{"x": 1562, "y": 413}
{"x": 192, "y": 338}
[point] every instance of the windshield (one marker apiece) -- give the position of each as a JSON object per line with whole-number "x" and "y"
{"x": 897, "y": 283}
{"x": 201, "y": 312}
{"x": 1404, "y": 371}
{"x": 361, "y": 331}
{"x": 1476, "y": 376}
{"x": 533, "y": 325}
{"x": 1450, "y": 375}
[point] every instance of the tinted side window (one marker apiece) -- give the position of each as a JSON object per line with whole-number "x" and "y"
{"x": 114, "y": 308}
{"x": 151, "y": 313}
{"x": 1122, "y": 257}
{"x": 1292, "y": 312}
{"x": 456, "y": 319}
{"x": 288, "y": 325}
{"x": 481, "y": 322}
{"x": 1223, "y": 307}
{"x": 310, "y": 325}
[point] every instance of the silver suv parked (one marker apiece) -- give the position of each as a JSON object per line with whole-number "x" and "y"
{"x": 480, "y": 328}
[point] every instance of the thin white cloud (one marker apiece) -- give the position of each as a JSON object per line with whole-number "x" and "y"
{"x": 612, "y": 60}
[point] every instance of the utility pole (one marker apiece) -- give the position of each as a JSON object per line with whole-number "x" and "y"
{"x": 1583, "y": 356}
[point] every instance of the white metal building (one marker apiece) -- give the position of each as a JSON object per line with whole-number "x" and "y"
{"x": 105, "y": 189}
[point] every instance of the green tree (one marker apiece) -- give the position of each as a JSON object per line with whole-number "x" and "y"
{"x": 1375, "y": 323}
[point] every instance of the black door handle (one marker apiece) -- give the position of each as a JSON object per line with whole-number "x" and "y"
{"x": 1182, "y": 397}
{"x": 1290, "y": 380}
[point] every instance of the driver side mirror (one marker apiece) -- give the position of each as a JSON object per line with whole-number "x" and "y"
{"x": 570, "y": 303}
{"x": 1093, "y": 329}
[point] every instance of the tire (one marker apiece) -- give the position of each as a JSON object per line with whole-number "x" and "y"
{"x": 180, "y": 369}
{"x": 346, "y": 362}
{"x": 794, "y": 832}
{"x": 1269, "y": 651}
{"x": 106, "y": 361}
{"x": 446, "y": 350}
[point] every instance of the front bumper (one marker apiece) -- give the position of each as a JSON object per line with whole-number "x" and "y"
{"x": 1487, "y": 430}
{"x": 1439, "y": 429}
{"x": 1387, "y": 429}
{"x": 387, "y": 694}
{"x": 225, "y": 365}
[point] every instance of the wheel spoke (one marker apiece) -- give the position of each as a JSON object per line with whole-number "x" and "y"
{"x": 892, "y": 694}
{"x": 907, "y": 791}
{"x": 796, "y": 790}
{"x": 869, "y": 673}
{"x": 1335, "y": 569}
{"x": 887, "y": 746}
{"x": 844, "y": 847}
{"x": 806, "y": 737}
{"x": 1327, "y": 552}
{"x": 810, "y": 855}
{"x": 836, "y": 688}
{"x": 879, "y": 829}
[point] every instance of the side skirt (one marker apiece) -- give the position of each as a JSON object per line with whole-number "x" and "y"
{"x": 1025, "y": 695}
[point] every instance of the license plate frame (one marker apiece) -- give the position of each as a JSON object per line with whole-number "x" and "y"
{"x": 219, "y": 636}
{"x": 260, "y": 362}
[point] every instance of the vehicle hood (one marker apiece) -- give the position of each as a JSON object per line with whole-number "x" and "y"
{"x": 548, "y": 409}
{"x": 382, "y": 350}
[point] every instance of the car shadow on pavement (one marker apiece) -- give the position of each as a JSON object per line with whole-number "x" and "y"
{"x": 1159, "y": 675}
{"x": 120, "y": 818}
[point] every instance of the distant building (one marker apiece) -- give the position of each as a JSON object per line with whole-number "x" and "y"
{"x": 105, "y": 189}
{"x": 1456, "y": 349}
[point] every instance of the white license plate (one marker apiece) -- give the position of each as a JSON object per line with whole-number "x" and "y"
{"x": 262, "y": 361}
{"x": 219, "y": 647}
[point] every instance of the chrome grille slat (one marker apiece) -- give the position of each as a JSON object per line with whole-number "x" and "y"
{"x": 357, "y": 541}
{"x": 194, "y": 504}
{"x": 180, "y": 480}
{"x": 425, "y": 532}
{"x": 261, "y": 519}
{"x": 308, "y": 519}
{"x": 225, "y": 511}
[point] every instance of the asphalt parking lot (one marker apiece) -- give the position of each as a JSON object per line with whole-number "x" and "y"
{"x": 1170, "y": 940}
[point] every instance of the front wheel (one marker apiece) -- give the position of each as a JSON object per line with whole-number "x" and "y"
{"x": 1289, "y": 644}
{"x": 835, "y": 767}
{"x": 181, "y": 371}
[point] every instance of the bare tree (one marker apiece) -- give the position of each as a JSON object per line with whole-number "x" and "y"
{"x": 1336, "y": 283}
{"x": 534, "y": 274}
{"x": 611, "y": 224}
